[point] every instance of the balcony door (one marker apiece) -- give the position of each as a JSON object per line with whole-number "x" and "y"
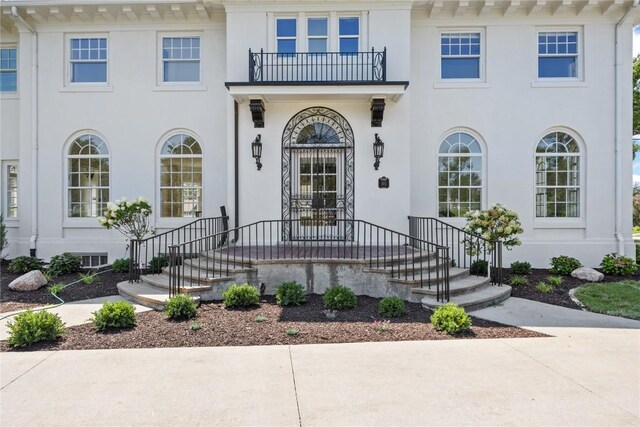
{"x": 317, "y": 176}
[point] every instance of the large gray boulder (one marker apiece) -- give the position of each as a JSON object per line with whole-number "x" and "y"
{"x": 588, "y": 274}
{"x": 30, "y": 281}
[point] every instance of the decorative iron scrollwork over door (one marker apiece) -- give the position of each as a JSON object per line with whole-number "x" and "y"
{"x": 317, "y": 176}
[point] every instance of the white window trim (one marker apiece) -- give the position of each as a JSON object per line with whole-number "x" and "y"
{"x": 359, "y": 36}
{"x": 80, "y": 222}
{"x": 463, "y": 83}
{"x": 296, "y": 38}
{"x": 70, "y": 86}
{"x": 484, "y": 173}
{"x": 577, "y": 81}
{"x": 5, "y": 190}
{"x": 326, "y": 37}
{"x": 161, "y": 85}
{"x": 12, "y": 95}
{"x": 559, "y": 222}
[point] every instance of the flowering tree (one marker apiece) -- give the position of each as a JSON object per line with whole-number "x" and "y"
{"x": 130, "y": 217}
{"x": 494, "y": 224}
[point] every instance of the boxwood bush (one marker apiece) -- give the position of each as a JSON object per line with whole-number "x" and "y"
{"x": 241, "y": 296}
{"x": 30, "y": 327}
{"x": 119, "y": 314}
{"x": 618, "y": 265}
{"x": 120, "y": 265}
{"x": 25, "y": 264}
{"x": 338, "y": 298}
{"x": 521, "y": 268}
{"x": 451, "y": 319}
{"x": 479, "y": 267}
{"x": 64, "y": 264}
{"x": 392, "y": 307}
{"x": 181, "y": 307}
{"x": 564, "y": 265}
{"x": 290, "y": 293}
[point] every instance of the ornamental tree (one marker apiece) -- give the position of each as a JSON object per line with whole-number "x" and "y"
{"x": 494, "y": 224}
{"x": 129, "y": 217}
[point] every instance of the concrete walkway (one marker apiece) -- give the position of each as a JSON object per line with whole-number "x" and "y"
{"x": 582, "y": 376}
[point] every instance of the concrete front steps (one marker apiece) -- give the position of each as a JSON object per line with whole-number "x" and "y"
{"x": 471, "y": 292}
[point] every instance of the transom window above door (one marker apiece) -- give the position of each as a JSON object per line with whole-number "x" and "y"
{"x": 318, "y": 34}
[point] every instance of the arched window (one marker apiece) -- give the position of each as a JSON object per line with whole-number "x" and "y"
{"x": 88, "y": 177}
{"x": 558, "y": 176}
{"x": 181, "y": 177}
{"x": 459, "y": 175}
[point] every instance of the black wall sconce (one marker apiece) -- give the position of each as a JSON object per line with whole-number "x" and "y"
{"x": 256, "y": 150}
{"x": 378, "y": 151}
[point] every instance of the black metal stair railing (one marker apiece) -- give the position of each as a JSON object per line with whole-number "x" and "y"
{"x": 407, "y": 258}
{"x": 310, "y": 67}
{"x": 464, "y": 248}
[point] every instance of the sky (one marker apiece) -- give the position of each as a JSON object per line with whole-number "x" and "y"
{"x": 636, "y": 51}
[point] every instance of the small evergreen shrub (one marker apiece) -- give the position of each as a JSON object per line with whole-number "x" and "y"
{"x": 521, "y": 267}
{"x": 119, "y": 314}
{"x": 31, "y": 327}
{"x": 518, "y": 280}
{"x": 157, "y": 263}
{"x": 338, "y": 298}
{"x": 292, "y": 332}
{"x": 479, "y": 267}
{"x": 290, "y": 293}
{"x": 392, "y": 307}
{"x": 544, "y": 287}
{"x": 451, "y": 319}
{"x": 564, "y": 265}
{"x": 618, "y": 265}
{"x": 241, "y": 296}
{"x": 555, "y": 280}
{"x": 180, "y": 307}
{"x": 25, "y": 264}
{"x": 120, "y": 265}
{"x": 195, "y": 326}
{"x": 64, "y": 264}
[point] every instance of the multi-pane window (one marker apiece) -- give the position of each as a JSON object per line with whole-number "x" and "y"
{"x": 558, "y": 54}
{"x": 349, "y": 35}
{"x": 88, "y": 177}
{"x": 286, "y": 33}
{"x": 181, "y": 59}
{"x": 459, "y": 175}
{"x": 460, "y": 55}
{"x": 8, "y": 70}
{"x": 317, "y": 34}
{"x": 88, "y": 60}
{"x": 11, "y": 190}
{"x": 181, "y": 177}
{"x": 558, "y": 177}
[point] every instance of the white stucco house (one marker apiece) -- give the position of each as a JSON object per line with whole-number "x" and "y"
{"x": 526, "y": 103}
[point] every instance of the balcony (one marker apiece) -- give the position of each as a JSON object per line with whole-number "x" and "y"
{"x": 318, "y": 68}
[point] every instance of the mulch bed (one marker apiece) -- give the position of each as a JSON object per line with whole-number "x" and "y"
{"x": 560, "y": 294}
{"x": 222, "y": 327}
{"x": 14, "y": 300}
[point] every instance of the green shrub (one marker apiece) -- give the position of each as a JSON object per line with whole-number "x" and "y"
{"x": 25, "y": 264}
{"x": 564, "y": 265}
{"x": 292, "y": 332}
{"x": 338, "y": 298}
{"x": 195, "y": 326}
{"x": 519, "y": 280}
{"x": 241, "y": 296}
{"x": 180, "y": 307}
{"x": 55, "y": 289}
{"x": 618, "y": 265}
{"x": 90, "y": 278}
{"x": 637, "y": 254}
{"x": 64, "y": 264}
{"x": 120, "y": 265}
{"x": 260, "y": 319}
{"x": 392, "y": 307}
{"x": 479, "y": 267}
{"x": 520, "y": 267}
{"x": 544, "y": 287}
{"x": 157, "y": 263}
{"x": 450, "y": 319}
{"x": 555, "y": 280}
{"x": 290, "y": 293}
{"x": 31, "y": 327}
{"x": 119, "y": 314}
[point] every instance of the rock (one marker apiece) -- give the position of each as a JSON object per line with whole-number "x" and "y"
{"x": 31, "y": 281}
{"x": 588, "y": 274}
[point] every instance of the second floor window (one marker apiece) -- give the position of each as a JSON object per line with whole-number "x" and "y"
{"x": 317, "y": 35}
{"x": 349, "y": 34}
{"x": 181, "y": 59}
{"x": 460, "y": 55}
{"x": 286, "y": 35}
{"x": 88, "y": 60}
{"x": 558, "y": 54}
{"x": 8, "y": 70}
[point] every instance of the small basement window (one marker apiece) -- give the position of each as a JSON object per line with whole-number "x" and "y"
{"x": 94, "y": 260}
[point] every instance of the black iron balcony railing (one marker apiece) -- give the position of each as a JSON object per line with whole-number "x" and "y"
{"x": 327, "y": 67}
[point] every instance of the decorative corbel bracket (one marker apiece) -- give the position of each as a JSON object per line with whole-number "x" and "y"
{"x": 257, "y": 112}
{"x": 377, "y": 112}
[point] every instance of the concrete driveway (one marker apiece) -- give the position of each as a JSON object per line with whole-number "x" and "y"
{"x": 587, "y": 374}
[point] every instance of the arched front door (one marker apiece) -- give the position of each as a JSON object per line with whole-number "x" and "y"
{"x": 317, "y": 176}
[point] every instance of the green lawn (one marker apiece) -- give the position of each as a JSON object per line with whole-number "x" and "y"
{"x": 615, "y": 299}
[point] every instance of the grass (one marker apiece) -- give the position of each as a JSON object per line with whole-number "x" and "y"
{"x": 544, "y": 287}
{"x": 614, "y": 299}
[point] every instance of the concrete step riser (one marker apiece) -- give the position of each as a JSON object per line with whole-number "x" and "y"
{"x": 454, "y": 291}
{"x": 500, "y": 294}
